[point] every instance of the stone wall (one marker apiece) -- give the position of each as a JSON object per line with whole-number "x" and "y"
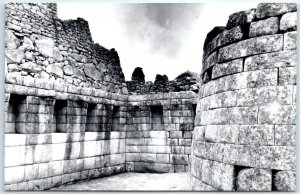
{"x": 187, "y": 81}
{"x": 54, "y": 138}
{"x": 244, "y": 136}
{"x": 39, "y": 45}
{"x": 159, "y": 132}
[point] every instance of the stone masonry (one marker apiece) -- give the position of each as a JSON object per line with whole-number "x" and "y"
{"x": 70, "y": 115}
{"x": 245, "y": 127}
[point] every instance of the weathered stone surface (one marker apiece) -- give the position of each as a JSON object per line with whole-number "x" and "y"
{"x": 287, "y": 76}
{"x": 235, "y": 115}
{"x": 44, "y": 45}
{"x": 13, "y": 67}
{"x": 198, "y": 185}
{"x": 254, "y": 179}
{"x": 218, "y": 175}
{"x": 274, "y": 9}
{"x": 277, "y": 115}
{"x": 275, "y": 157}
{"x": 285, "y": 181}
{"x": 228, "y": 36}
{"x": 285, "y": 135}
{"x": 288, "y": 21}
{"x": 79, "y": 58}
{"x": 264, "y": 27}
{"x": 14, "y": 56}
{"x": 212, "y": 34}
{"x": 31, "y": 67}
{"x": 269, "y": 43}
{"x": 267, "y": 77}
{"x": 271, "y": 60}
{"x": 256, "y": 135}
{"x": 11, "y": 41}
{"x": 90, "y": 71}
{"x": 222, "y": 133}
{"x": 265, "y": 95}
{"x": 68, "y": 70}
{"x": 231, "y": 67}
{"x": 57, "y": 54}
{"x": 209, "y": 61}
{"x": 290, "y": 40}
{"x": 240, "y": 18}
{"x": 27, "y": 45}
{"x": 55, "y": 69}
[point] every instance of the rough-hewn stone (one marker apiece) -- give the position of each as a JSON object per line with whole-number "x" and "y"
{"x": 287, "y": 76}
{"x": 11, "y": 41}
{"x": 231, "y": 67}
{"x": 285, "y": 181}
{"x": 290, "y": 40}
{"x": 14, "y": 56}
{"x": 288, "y": 21}
{"x": 269, "y": 43}
{"x": 240, "y": 18}
{"x": 30, "y": 67}
{"x": 254, "y": 179}
{"x": 271, "y": 60}
{"x": 264, "y": 27}
{"x": 274, "y": 9}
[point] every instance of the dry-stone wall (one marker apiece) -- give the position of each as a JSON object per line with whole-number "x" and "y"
{"x": 244, "y": 136}
{"x": 67, "y": 113}
{"x": 41, "y": 46}
{"x": 159, "y": 132}
{"x": 187, "y": 81}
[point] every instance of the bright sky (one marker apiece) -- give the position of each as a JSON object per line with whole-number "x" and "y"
{"x": 160, "y": 38}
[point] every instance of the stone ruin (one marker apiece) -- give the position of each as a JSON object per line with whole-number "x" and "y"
{"x": 71, "y": 116}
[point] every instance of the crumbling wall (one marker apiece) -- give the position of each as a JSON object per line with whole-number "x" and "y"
{"x": 244, "y": 136}
{"x": 187, "y": 81}
{"x": 41, "y": 46}
{"x": 159, "y": 132}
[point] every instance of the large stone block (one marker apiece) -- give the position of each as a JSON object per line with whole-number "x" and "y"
{"x": 274, "y": 9}
{"x": 256, "y": 135}
{"x": 265, "y": 95}
{"x": 210, "y": 61}
{"x": 290, "y": 40}
{"x": 285, "y": 135}
{"x": 287, "y": 76}
{"x": 228, "y": 68}
{"x": 269, "y": 43}
{"x": 254, "y": 179}
{"x": 288, "y": 21}
{"x": 264, "y": 27}
{"x": 218, "y": 175}
{"x": 266, "y": 77}
{"x": 285, "y": 181}
{"x": 276, "y": 157}
{"x": 222, "y": 133}
{"x": 271, "y": 60}
{"x": 14, "y": 156}
{"x": 14, "y": 174}
{"x": 240, "y": 18}
{"x": 276, "y": 114}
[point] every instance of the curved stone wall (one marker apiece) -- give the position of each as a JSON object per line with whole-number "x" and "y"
{"x": 244, "y": 136}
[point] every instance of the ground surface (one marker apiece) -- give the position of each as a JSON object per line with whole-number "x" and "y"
{"x": 134, "y": 182}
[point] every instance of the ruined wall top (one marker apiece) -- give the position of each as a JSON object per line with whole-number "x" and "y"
{"x": 40, "y": 46}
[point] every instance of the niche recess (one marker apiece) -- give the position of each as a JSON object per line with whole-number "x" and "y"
{"x": 92, "y": 119}
{"x": 60, "y": 116}
{"x": 116, "y": 118}
{"x": 16, "y": 114}
{"x": 157, "y": 119}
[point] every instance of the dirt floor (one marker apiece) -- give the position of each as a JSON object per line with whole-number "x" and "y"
{"x": 133, "y": 182}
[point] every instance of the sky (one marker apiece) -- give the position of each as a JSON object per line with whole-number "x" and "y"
{"x": 161, "y": 38}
